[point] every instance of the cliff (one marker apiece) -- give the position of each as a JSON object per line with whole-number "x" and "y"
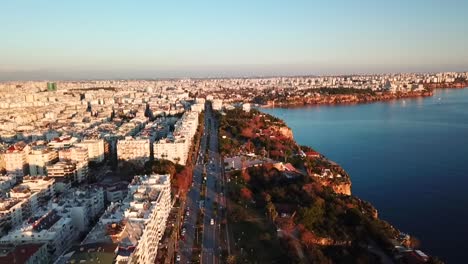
{"x": 335, "y": 99}
{"x": 342, "y": 188}
{"x": 332, "y": 224}
{"x": 285, "y": 131}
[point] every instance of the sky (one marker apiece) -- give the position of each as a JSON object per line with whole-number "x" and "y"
{"x": 90, "y": 39}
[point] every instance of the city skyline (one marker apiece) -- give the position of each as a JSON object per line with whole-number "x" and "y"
{"x": 109, "y": 40}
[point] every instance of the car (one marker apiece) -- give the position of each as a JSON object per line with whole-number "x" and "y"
{"x": 212, "y": 221}
{"x": 178, "y": 257}
{"x": 188, "y": 213}
{"x": 183, "y": 230}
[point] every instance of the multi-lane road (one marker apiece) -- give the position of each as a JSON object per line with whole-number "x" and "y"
{"x": 187, "y": 239}
{"x": 214, "y": 199}
{"x": 214, "y": 203}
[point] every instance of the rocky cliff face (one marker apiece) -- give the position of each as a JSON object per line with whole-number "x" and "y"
{"x": 285, "y": 131}
{"x": 342, "y": 188}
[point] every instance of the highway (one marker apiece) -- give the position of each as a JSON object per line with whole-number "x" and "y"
{"x": 214, "y": 199}
{"x": 187, "y": 240}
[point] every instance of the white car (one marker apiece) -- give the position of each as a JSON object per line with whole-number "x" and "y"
{"x": 212, "y": 221}
{"x": 178, "y": 257}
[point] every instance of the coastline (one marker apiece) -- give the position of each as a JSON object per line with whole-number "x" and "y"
{"x": 325, "y": 193}
{"x": 405, "y": 120}
{"x": 347, "y": 99}
{"x": 355, "y": 99}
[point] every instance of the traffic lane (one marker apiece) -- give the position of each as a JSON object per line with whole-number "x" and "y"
{"x": 190, "y": 221}
{"x": 209, "y": 233}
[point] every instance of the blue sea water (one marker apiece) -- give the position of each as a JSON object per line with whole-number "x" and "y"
{"x": 409, "y": 158}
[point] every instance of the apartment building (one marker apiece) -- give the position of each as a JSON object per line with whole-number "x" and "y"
{"x": 6, "y": 182}
{"x": 177, "y": 146}
{"x": 39, "y": 158}
{"x": 82, "y": 205}
{"x": 135, "y": 150}
{"x": 95, "y": 149}
{"x": 64, "y": 172}
{"x": 56, "y": 231}
{"x": 62, "y": 142}
{"x": 79, "y": 156}
{"x": 175, "y": 150}
{"x": 16, "y": 160}
{"x": 217, "y": 104}
{"x": 138, "y": 222}
{"x": 13, "y": 212}
{"x": 36, "y": 191}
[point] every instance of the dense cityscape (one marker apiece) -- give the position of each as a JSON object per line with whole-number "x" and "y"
{"x": 144, "y": 171}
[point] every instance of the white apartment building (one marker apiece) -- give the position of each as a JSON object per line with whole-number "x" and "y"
{"x": 174, "y": 150}
{"x": 137, "y": 223}
{"x": 51, "y": 228}
{"x": 63, "y": 142}
{"x": 217, "y": 104}
{"x": 116, "y": 192}
{"x": 24, "y": 199}
{"x": 151, "y": 204}
{"x": 197, "y": 107}
{"x": 135, "y": 150}
{"x": 6, "y": 182}
{"x": 95, "y": 149}
{"x": 16, "y": 160}
{"x": 39, "y": 158}
{"x": 13, "y": 212}
{"x": 79, "y": 156}
{"x": 82, "y": 205}
{"x": 64, "y": 172}
{"x": 36, "y": 190}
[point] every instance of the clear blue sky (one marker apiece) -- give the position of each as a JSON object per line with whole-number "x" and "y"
{"x": 112, "y": 39}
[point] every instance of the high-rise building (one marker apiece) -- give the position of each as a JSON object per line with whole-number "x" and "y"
{"x": 136, "y": 224}
{"x": 39, "y": 158}
{"x": 95, "y": 149}
{"x": 62, "y": 171}
{"x": 79, "y": 156}
{"x": 57, "y": 231}
{"x": 63, "y": 142}
{"x": 174, "y": 150}
{"x": 16, "y": 160}
{"x": 134, "y": 150}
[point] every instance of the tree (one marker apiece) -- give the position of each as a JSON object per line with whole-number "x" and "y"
{"x": 311, "y": 216}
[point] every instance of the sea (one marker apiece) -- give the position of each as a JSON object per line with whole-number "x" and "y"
{"x": 408, "y": 157}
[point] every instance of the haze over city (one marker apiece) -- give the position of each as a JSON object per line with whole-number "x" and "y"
{"x": 148, "y": 39}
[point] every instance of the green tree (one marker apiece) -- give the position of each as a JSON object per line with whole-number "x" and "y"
{"x": 311, "y": 216}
